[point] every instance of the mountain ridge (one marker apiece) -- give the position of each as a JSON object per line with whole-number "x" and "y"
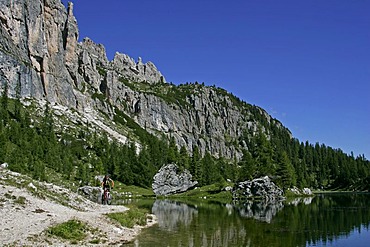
{"x": 48, "y": 62}
{"x": 97, "y": 105}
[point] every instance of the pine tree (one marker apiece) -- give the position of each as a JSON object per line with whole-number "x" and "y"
{"x": 184, "y": 162}
{"x": 173, "y": 152}
{"x": 4, "y": 115}
{"x": 285, "y": 171}
{"x": 195, "y": 165}
{"x": 3, "y": 145}
{"x": 39, "y": 170}
{"x": 209, "y": 172}
{"x": 17, "y": 103}
{"x": 262, "y": 153}
{"x": 227, "y": 169}
{"x": 247, "y": 167}
{"x": 83, "y": 174}
{"x": 143, "y": 169}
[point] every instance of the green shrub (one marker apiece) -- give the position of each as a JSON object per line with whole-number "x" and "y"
{"x": 73, "y": 230}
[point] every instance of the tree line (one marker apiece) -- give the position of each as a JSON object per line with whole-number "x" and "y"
{"x": 301, "y": 164}
{"x": 32, "y": 145}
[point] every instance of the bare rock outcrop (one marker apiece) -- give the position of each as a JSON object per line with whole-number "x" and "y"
{"x": 92, "y": 193}
{"x": 40, "y": 54}
{"x": 170, "y": 180}
{"x": 39, "y": 51}
{"x": 43, "y": 37}
{"x": 136, "y": 71}
{"x": 260, "y": 187}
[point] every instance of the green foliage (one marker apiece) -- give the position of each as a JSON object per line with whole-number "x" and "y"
{"x": 292, "y": 163}
{"x": 4, "y": 115}
{"x": 101, "y": 71}
{"x": 130, "y": 218}
{"x": 122, "y": 118}
{"x": 183, "y": 159}
{"x": 135, "y": 191}
{"x": 286, "y": 172}
{"x": 213, "y": 192}
{"x": 195, "y": 165}
{"x": 262, "y": 153}
{"x": 73, "y": 230}
{"x": 33, "y": 145}
{"x": 209, "y": 171}
{"x": 247, "y": 167}
{"x": 99, "y": 96}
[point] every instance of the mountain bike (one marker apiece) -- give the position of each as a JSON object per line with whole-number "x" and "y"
{"x": 106, "y": 197}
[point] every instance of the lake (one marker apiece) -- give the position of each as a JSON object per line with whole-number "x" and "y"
{"x": 341, "y": 219}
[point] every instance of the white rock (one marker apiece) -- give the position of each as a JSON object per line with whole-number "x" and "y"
{"x": 307, "y": 191}
{"x": 32, "y": 186}
{"x": 4, "y": 165}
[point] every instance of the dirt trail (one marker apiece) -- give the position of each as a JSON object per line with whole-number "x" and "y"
{"x": 25, "y": 218}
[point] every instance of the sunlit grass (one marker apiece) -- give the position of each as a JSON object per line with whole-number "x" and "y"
{"x": 130, "y": 218}
{"x": 132, "y": 190}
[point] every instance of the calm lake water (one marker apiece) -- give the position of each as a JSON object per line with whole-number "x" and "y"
{"x": 324, "y": 220}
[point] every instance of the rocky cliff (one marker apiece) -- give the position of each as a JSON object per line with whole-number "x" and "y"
{"x": 42, "y": 59}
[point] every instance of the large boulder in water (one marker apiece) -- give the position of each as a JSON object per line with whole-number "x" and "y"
{"x": 170, "y": 180}
{"x": 260, "y": 187}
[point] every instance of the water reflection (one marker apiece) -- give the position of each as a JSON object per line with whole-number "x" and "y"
{"x": 260, "y": 210}
{"x": 171, "y": 214}
{"x": 319, "y": 221}
{"x": 304, "y": 200}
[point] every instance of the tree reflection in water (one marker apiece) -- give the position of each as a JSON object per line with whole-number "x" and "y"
{"x": 299, "y": 222}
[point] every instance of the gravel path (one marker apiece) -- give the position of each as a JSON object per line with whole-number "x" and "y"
{"x": 25, "y": 218}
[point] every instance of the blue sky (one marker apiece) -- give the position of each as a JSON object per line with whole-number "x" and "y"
{"x": 306, "y": 62}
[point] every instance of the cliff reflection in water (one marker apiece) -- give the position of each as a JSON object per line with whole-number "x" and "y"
{"x": 171, "y": 214}
{"x": 299, "y": 222}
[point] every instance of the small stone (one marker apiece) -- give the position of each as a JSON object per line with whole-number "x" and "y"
{"x": 4, "y": 165}
{"x": 30, "y": 185}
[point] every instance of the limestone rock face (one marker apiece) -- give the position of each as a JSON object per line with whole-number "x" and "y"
{"x": 259, "y": 187}
{"x": 169, "y": 180}
{"x": 39, "y": 50}
{"x": 136, "y": 71}
{"x": 40, "y": 54}
{"x": 43, "y": 35}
